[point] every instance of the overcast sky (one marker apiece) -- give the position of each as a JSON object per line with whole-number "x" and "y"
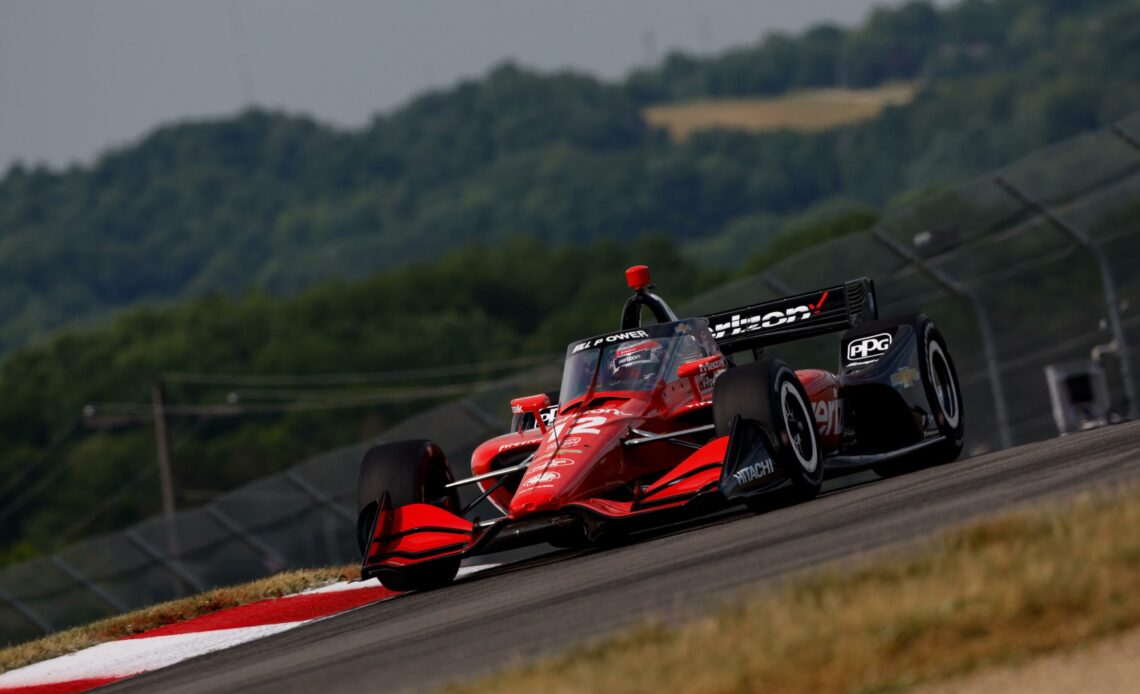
{"x": 79, "y": 76}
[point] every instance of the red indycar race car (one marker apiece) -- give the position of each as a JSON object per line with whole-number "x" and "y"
{"x": 658, "y": 420}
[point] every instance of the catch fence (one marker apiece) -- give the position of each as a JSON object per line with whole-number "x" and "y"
{"x": 1028, "y": 266}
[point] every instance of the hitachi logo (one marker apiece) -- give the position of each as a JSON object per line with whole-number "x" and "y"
{"x": 744, "y": 324}
{"x": 755, "y": 472}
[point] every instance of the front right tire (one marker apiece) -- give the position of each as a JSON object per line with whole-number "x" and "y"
{"x": 409, "y": 472}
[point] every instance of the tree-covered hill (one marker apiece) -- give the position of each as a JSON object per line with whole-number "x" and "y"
{"x": 277, "y": 202}
{"x": 477, "y": 223}
{"x": 77, "y": 444}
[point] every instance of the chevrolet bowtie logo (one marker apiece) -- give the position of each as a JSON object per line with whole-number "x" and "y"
{"x": 905, "y": 377}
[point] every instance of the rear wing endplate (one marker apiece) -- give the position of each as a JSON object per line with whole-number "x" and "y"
{"x": 795, "y": 317}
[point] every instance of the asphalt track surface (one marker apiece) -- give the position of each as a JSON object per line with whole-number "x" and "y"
{"x": 534, "y": 607}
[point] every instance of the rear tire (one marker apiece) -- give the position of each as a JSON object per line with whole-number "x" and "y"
{"x": 409, "y": 472}
{"x": 769, "y": 393}
{"x": 944, "y": 393}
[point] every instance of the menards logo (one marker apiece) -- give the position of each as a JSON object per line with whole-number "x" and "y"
{"x": 744, "y": 324}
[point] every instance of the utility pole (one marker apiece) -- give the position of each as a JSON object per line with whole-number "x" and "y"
{"x": 162, "y": 443}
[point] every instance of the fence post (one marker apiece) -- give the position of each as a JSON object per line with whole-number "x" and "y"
{"x": 1106, "y": 278}
{"x": 981, "y": 314}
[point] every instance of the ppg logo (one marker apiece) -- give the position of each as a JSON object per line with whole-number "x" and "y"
{"x": 870, "y": 346}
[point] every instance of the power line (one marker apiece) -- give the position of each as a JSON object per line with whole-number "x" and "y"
{"x": 52, "y": 448}
{"x": 343, "y": 401}
{"x": 105, "y": 505}
{"x": 353, "y": 378}
{"x": 32, "y": 492}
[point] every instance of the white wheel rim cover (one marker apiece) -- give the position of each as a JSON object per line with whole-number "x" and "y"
{"x": 949, "y": 390}
{"x": 786, "y": 390}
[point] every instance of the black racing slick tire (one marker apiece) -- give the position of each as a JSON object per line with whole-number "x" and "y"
{"x": 408, "y": 472}
{"x": 944, "y": 393}
{"x": 769, "y": 393}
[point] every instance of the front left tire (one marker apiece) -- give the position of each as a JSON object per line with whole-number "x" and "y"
{"x": 769, "y": 393}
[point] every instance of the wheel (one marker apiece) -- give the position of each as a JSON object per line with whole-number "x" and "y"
{"x": 943, "y": 392}
{"x": 769, "y": 393}
{"x": 426, "y": 576}
{"x": 410, "y": 472}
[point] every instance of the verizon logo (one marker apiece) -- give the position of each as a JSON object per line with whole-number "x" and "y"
{"x": 739, "y": 325}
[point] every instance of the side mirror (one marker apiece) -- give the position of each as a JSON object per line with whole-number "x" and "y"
{"x": 691, "y": 369}
{"x": 532, "y": 405}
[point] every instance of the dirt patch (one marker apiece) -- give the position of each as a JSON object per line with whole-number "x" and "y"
{"x": 803, "y": 111}
{"x": 1110, "y": 666}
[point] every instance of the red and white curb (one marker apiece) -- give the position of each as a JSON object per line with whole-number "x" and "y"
{"x": 116, "y": 660}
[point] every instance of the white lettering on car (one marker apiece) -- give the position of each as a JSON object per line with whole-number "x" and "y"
{"x": 516, "y": 444}
{"x": 828, "y": 416}
{"x": 742, "y": 323}
{"x": 616, "y": 337}
{"x": 616, "y": 413}
{"x": 866, "y": 347}
{"x": 754, "y": 472}
{"x": 541, "y": 478}
{"x": 582, "y": 425}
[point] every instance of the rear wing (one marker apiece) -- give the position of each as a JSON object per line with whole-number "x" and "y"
{"x": 795, "y": 317}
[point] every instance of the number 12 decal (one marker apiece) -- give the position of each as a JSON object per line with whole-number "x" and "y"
{"x": 582, "y": 425}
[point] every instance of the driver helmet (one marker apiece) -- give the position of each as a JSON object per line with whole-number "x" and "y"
{"x": 637, "y": 362}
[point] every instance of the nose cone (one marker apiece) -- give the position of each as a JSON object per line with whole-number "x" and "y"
{"x": 541, "y": 487}
{"x": 583, "y": 461}
{"x": 536, "y": 499}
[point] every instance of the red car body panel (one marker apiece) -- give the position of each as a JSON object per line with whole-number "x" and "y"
{"x": 691, "y": 476}
{"x": 406, "y": 534}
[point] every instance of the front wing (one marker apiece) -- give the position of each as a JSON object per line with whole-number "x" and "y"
{"x": 726, "y": 469}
